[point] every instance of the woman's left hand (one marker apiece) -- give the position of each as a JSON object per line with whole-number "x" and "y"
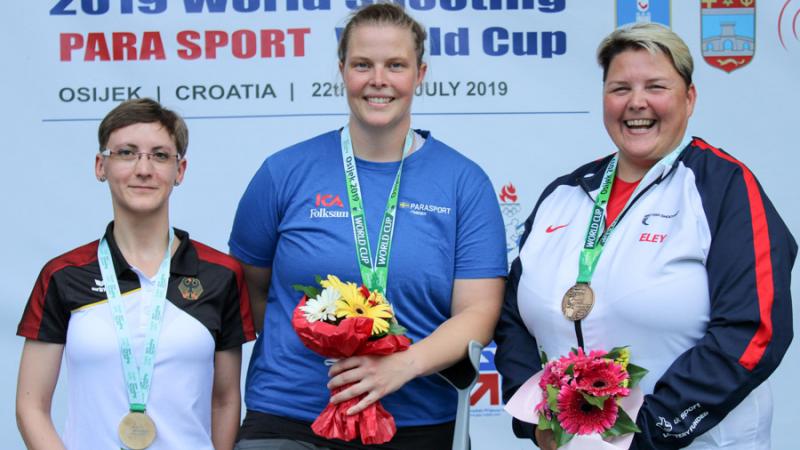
{"x": 375, "y": 376}
{"x": 475, "y": 308}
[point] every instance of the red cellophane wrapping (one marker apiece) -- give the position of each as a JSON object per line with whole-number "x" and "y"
{"x": 350, "y": 337}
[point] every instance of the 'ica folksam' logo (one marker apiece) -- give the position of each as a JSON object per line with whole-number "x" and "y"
{"x": 789, "y": 24}
{"x": 729, "y": 32}
{"x": 643, "y": 11}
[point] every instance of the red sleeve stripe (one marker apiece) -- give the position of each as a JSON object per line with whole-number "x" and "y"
{"x": 32, "y": 320}
{"x": 214, "y": 256}
{"x": 763, "y": 263}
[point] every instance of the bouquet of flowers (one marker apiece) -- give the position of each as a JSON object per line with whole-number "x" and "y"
{"x": 345, "y": 320}
{"x": 589, "y": 395}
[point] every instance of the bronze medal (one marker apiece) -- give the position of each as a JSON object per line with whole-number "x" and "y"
{"x": 577, "y": 302}
{"x": 137, "y": 431}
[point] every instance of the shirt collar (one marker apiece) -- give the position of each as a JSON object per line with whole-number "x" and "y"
{"x": 184, "y": 260}
{"x": 658, "y": 172}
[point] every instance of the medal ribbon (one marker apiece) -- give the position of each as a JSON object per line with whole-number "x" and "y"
{"x": 596, "y": 238}
{"x": 137, "y": 377}
{"x": 374, "y": 272}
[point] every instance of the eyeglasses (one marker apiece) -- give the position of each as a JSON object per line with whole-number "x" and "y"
{"x": 130, "y": 156}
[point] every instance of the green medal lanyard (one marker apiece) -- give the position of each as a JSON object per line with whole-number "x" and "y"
{"x": 374, "y": 273}
{"x": 596, "y": 239}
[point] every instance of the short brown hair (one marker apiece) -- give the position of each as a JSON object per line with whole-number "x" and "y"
{"x": 652, "y": 37}
{"x": 383, "y": 14}
{"x": 144, "y": 110}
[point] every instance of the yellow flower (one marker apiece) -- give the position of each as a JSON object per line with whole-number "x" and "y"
{"x": 624, "y": 358}
{"x": 357, "y": 306}
{"x": 377, "y": 297}
{"x": 334, "y": 282}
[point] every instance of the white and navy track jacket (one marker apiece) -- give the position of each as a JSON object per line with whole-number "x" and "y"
{"x": 695, "y": 279}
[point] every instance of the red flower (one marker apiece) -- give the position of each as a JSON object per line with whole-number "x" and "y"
{"x": 577, "y": 416}
{"x": 601, "y": 377}
{"x": 364, "y": 291}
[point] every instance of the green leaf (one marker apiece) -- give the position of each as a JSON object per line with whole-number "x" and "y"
{"x": 543, "y": 357}
{"x": 310, "y": 291}
{"x": 597, "y": 402}
{"x": 318, "y": 279}
{"x": 544, "y": 423}
{"x": 623, "y": 425}
{"x": 570, "y": 370}
{"x": 396, "y": 329}
{"x": 615, "y": 352}
{"x": 636, "y": 373}
{"x": 375, "y": 337}
{"x": 552, "y": 398}
{"x": 561, "y": 436}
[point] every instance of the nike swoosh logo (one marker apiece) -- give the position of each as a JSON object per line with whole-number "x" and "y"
{"x": 551, "y": 228}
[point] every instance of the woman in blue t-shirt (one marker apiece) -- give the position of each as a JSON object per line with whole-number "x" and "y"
{"x": 447, "y": 258}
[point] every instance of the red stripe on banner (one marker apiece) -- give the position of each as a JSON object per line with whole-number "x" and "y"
{"x": 32, "y": 320}
{"x": 209, "y": 254}
{"x": 763, "y": 263}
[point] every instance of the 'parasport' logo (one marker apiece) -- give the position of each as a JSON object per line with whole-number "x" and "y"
{"x": 422, "y": 209}
{"x": 643, "y": 11}
{"x": 728, "y": 28}
{"x": 789, "y": 24}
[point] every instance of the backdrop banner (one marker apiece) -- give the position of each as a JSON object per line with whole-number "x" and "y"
{"x": 512, "y": 84}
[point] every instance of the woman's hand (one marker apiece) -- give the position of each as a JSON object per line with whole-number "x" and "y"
{"x": 545, "y": 439}
{"x": 376, "y": 376}
{"x": 475, "y": 308}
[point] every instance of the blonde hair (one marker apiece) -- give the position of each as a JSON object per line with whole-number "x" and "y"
{"x": 652, "y": 37}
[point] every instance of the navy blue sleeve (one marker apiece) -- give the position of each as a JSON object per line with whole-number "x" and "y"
{"x": 750, "y": 326}
{"x": 517, "y": 355}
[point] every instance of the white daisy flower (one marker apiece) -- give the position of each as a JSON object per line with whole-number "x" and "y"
{"x": 322, "y": 307}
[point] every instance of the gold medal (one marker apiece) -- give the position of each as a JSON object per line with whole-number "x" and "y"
{"x": 577, "y": 302}
{"x": 137, "y": 431}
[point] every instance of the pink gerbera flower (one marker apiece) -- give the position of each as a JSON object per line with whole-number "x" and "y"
{"x": 553, "y": 375}
{"x": 579, "y": 356}
{"x": 577, "y": 416}
{"x": 602, "y": 377}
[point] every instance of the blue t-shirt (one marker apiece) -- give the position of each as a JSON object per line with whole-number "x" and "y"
{"x": 294, "y": 218}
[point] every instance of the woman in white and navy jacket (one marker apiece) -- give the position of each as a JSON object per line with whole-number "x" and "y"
{"x": 695, "y": 277}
